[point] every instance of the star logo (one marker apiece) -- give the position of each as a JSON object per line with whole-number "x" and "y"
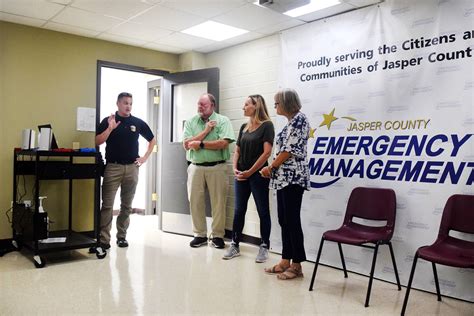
{"x": 328, "y": 119}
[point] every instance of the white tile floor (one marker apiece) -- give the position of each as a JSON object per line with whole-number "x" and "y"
{"x": 160, "y": 274}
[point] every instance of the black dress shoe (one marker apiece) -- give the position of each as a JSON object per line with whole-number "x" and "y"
{"x": 122, "y": 243}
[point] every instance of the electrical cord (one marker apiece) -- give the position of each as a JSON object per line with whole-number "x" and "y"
{"x": 10, "y": 220}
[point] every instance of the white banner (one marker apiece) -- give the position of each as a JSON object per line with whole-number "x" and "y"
{"x": 389, "y": 90}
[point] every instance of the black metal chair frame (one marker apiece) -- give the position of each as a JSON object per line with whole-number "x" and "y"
{"x": 374, "y": 259}
{"x": 412, "y": 273}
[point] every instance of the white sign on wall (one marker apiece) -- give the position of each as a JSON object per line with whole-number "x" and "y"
{"x": 389, "y": 90}
{"x": 85, "y": 119}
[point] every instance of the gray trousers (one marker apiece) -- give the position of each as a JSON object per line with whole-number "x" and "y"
{"x": 115, "y": 176}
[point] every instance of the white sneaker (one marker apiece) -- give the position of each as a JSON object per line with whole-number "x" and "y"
{"x": 232, "y": 252}
{"x": 262, "y": 255}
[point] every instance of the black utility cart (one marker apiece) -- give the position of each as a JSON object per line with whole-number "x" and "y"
{"x": 30, "y": 226}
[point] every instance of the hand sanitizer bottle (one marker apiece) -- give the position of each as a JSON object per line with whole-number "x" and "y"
{"x": 41, "y": 210}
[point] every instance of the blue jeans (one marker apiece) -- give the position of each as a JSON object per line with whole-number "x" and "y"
{"x": 258, "y": 186}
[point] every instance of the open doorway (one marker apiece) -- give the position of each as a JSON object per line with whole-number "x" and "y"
{"x": 113, "y": 79}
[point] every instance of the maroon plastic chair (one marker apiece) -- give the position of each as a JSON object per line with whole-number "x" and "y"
{"x": 458, "y": 215}
{"x": 371, "y": 204}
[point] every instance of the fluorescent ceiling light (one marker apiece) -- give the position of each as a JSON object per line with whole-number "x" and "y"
{"x": 214, "y": 31}
{"x": 314, "y": 5}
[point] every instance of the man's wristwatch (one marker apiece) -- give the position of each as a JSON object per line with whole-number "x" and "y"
{"x": 201, "y": 144}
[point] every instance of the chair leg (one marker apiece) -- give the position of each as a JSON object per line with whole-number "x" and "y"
{"x": 342, "y": 259}
{"x": 436, "y": 281}
{"x": 412, "y": 273}
{"x": 316, "y": 264}
{"x": 371, "y": 275}
{"x": 394, "y": 265}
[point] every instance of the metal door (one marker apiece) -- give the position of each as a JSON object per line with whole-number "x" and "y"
{"x": 180, "y": 93}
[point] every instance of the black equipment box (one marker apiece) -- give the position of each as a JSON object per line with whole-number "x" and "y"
{"x": 26, "y": 223}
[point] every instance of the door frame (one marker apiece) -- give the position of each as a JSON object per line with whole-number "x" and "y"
{"x": 152, "y": 175}
{"x": 110, "y": 64}
{"x": 119, "y": 66}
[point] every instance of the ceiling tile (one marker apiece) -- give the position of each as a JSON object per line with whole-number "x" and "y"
{"x": 121, "y": 9}
{"x": 250, "y": 36}
{"x": 70, "y": 29}
{"x": 185, "y": 41}
{"x": 155, "y": 24}
{"x": 165, "y": 48}
{"x": 326, "y": 12}
{"x": 21, "y": 19}
{"x": 275, "y": 28}
{"x": 363, "y": 3}
{"x": 38, "y": 9}
{"x": 139, "y": 31}
{"x": 87, "y": 20}
{"x": 121, "y": 39}
{"x": 204, "y": 8}
{"x": 251, "y": 17}
{"x": 212, "y": 48}
{"x": 167, "y": 18}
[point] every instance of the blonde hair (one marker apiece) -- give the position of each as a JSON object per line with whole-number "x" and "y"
{"x": 261, "y": 113}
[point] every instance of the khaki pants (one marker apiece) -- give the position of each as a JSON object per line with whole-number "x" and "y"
{"x": 115, "y": 176}
{"x": 215, "y": 178}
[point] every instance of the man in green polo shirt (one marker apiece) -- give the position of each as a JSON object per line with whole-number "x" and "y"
{"x": 206, "y": 139}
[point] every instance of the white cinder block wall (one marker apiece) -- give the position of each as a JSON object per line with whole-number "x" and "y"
{"x": 249, "y": 68}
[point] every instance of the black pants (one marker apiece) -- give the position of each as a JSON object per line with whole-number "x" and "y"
{"x": 289, "y": 208}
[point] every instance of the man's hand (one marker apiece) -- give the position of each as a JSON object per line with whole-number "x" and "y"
{"x": 112, "y": 123}
{"x": 210, "y": 126}
{"x": 140, "y": 161}
{"x": 194, "y": 144}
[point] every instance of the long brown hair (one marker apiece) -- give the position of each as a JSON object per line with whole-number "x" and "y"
{"x": 261, "y": 113}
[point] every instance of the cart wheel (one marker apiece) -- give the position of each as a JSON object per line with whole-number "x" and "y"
{"x": 16, "y": 245}
{"x": 39, "y": 262}
{"x": 100, "y": 253}
{"x": 93, "y": 249}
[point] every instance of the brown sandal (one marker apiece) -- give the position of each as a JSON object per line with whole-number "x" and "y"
{"x": 276, "y": 269}
{"x": 289, "y": 274}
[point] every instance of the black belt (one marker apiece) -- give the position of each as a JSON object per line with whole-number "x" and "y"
{"x": 208, "y": 164}
{"x": 122, "y": 162}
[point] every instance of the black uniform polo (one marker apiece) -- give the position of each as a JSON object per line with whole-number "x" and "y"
{"x": 122, "y": 144}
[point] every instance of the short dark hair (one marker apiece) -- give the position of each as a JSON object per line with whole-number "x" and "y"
{"x": 124, "y": 95}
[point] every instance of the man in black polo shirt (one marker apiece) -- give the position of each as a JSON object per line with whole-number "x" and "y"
{"x": 120, "y": 132}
